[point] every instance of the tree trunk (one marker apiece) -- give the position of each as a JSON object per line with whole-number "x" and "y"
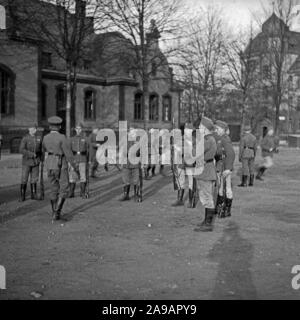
{"x": 145, "y": 102}
{"x": 69, "y": 99}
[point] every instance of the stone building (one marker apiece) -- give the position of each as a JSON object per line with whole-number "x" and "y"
{"x": 33, "y": 83}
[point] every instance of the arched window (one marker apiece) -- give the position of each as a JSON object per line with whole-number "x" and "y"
{"x": 167, "y": 108}
{"x": 7, "y": 86}
{"x": 2, "y": 18}
{"x": 43, "y": 101}
{"x": 89, "y": 104}
{"x": 138, "y": 106}
{"x": 153, "y": 107}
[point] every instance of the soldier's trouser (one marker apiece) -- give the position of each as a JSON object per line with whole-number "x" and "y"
{"x": 206, "y": 192}
{"x": 94, "y": 166}
{"x": 268, "y": 162}
{"x": 33, "y": 171}
{"x": 73, "y": 175}
{"x": 228, "y": 184}
{"x": 59, "y": 183}
{"x": 248, "y": 167}
{"x": 182, "y": 174}
{"x": 130, "y": 176}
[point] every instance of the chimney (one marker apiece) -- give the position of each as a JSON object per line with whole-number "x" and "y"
{"x": 154, "y": 35}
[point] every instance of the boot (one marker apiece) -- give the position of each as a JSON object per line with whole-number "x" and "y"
{"x": 227, "y": 211}
{"x": 220, "y": 206}
{"x": 137, "y": 194}
{"x": 33, "y": 191}
{"x": 153, "y": 171}
{"x": 161, "y": 169}
{"x": 53, "y": 206}
{"x": 147, "y": 175}
{"x": 60, "y": 204}
{"x": 191, "y": 197}
{"x": 251, "y": 181}
{"x": 23, "y": 192}
{"x": 72, "y": 190}
{"x": 207, "y": 224}
{"x": 126, "y": 190}
{"x": 244, "y": 181}
{"x": 82, "y": 189}
{"x": 179, "y": 201}
{"x": 260, "y": 173}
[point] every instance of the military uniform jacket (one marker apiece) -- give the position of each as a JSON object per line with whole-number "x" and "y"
{"x": 267, "y": 146}
{"x": 219, "y": 154}
{"x": 210, "y": 149}
{"x": 130, "y": 165}
{"x": 248, "y": 146}
{"x": 31, "y": 149}
{"x": 58, "y": 149}
{"x": 80, "y": 147}
{"x": 228, "y": 153}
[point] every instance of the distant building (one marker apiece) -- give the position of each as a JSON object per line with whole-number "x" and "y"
{"x": 32, "y": 82}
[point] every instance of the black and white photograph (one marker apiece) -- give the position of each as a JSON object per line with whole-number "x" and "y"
{"x": 149, "y": 151}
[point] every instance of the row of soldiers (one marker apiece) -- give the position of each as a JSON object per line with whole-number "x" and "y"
{"x": 67, "y": 161}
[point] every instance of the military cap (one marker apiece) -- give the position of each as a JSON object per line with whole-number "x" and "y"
{"x": 221, "y": 124}
{"x": 32, "y": 125}
{"x": 79, "y": 125}
{"x": 55, "y": 120}
{"x": 207, "y": 123}
{"x": 247, "y": 127}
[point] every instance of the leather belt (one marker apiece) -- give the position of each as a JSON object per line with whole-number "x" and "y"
{"x": 79, "y": 153}
{"x": 210, "y": 160}
{"x": 248, "y": 148}
{"x": 53, "y": 154}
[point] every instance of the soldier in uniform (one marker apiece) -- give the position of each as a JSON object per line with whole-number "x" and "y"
{"x": 59, "y": 154}
{"x": 247, "y": 153}
{"x": 268, "y": 147}
{"x": 131, "y": 172}
{"x": 185, "y": 170}
{"x": 80, "y": 149}
{"x": 31, "y": 150}
{"x": 206, "y": 180}
{"x": 93, "y": 146}
{"x": 226, "y": 155}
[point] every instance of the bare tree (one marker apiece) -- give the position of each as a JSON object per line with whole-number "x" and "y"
{"x": 201, "y": 58}
{"x": 61, "y": 26}
{"x": 144, "y": 22}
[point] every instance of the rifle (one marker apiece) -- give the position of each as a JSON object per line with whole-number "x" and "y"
{"x": 140, "y": 195}
{"x": 173, "y": 167}
{"x": 195, "y": 193}
{"x": 42, "y": 186}
{"x": 87, "y": 187}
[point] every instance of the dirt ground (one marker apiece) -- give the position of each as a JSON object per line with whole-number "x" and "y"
{"x": 106, "y": 249}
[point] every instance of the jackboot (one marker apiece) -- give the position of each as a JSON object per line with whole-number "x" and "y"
{"x": 191, "y": 197}
{"x": 136, "y": 190}
{"x": 208, "y": 223}
{"x": 244, "y": 181}
{"x": 23, "y": 192}
{"x": 260, "y": 173}
{"x": 33, "y": 191}
{"x": 153, "y": 171}
{"x": 251, "y": 181}
{"x": 179, "y": 201}
{"x": 227, "y": 211}
{"x": 126, "y": 190}
{"x": 53, "y": 206}
{"x": 82, "y": 189}
{"x": 220, "y": 204}
{"x": 72, "y": 190}
{"x": 60, "y": 204}
{"x": 161, "y": 169}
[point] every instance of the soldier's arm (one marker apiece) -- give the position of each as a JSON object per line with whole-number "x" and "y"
{"x": 66, "y": 147}
{"x": 242, "y": 144}
{"x": 229, "y": 155}
{"x": 24, "y": 151}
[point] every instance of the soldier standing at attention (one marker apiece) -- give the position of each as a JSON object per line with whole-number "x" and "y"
{"x": 80, "y": 147}
{"x": 31, "y": 149}
{"x": 58, "y": 155}
{"x": 130, "y": 171}
{"x": 247, "y": 153}
{"x": 92, "y": 152}
{"x": 268, "y": 147}
{"x": 206, "y": 180}
{"x": 227, "y": 155}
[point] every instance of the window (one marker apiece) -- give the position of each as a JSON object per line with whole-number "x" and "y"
{"x": 167, "y": 108}
{"x": 43, "y": 101}
{"x": 90, "y": 104}
{"x": 87, "y": 65}
{"x": 61, "y": 98}
{"x": 2, "y": 18}
{"x": 298, "y": 104}
{"x": 138, "y": 106}
{"x": 6, "y": 91}
{"x": 153, "y": 69}
{"x": 46, "y": 59}
{"x": 153, "y": 107}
